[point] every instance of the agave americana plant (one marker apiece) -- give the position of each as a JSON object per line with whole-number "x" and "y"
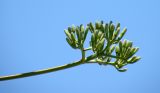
{"x": 105, "y": 42}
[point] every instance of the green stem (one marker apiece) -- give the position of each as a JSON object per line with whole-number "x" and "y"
{"x": 116, "y": 57}
{"x": 89, "y": 48}
{"x": 38, "y": 72}
{"x": 83, "y": 55}
{"x": 109, "y": 63}
{"x": 99, "y": 61}
{"x": 48, "y": 70}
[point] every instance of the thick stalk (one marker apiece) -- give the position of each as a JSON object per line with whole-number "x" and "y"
{"x": 83, "y": 55}
{"x": 38, "y": 72}
{"x": 48, "y": 70}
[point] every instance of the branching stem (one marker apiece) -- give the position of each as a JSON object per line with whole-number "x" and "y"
{"x": 101, "y": 35}
{"x": 83, "y": 56}
{"x": 89, "y": 48}
{"x": 48, "y": 70}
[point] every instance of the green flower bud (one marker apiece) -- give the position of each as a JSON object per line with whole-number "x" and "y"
{"x": 106, "y": 31}
{"x": 82, "y": 32}
{"x": 116, "y": 33}
{"x": 122, "y": 34}
{"x": 67, "y": 34}
{"x": 110, "y": 23}
{"x": 100, "y": 35}
{"x": 73, "y": 38}
{"x": 117, "y": 51}
{"x": 96, "y": 35}
{"x": 91, "y": 27}
{"x": 73, "y": 28}
{"x": 124, "y": 44}
{"x": 81, "y": 28}
{"x": 133, "y": 59}
{"x": 111, "y": 30}
{"x": 85, "y": 34}
{"x": 112, "y": 49}
{"x": 136, "y": 59}
{"x": 133, "y": 51}
{"x": 93, "y": 42}
{"x": 70, "y": 43}
{"x": 124, "y": 48}
{"x": 127, "y": 52}
{"x": 100, "y": 45}
{"x": 78, "y": 35}
{"x": 127, "y": 48}
{"x": 122, "y": 70}
{"x": 120, "y": 46}
{"x": 103, "y": 28}
{"x": 69, "y": 29}
{"x": 129, "y": 44}
{"x": 98, "y": 25}
{"x": 118, "y": 26}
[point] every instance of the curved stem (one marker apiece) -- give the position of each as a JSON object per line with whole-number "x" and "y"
{"x": 43, "y": 71}
{"x": 48, "y": 70}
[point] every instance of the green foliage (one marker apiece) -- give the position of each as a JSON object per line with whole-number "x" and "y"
{"x": 106, "y": 39}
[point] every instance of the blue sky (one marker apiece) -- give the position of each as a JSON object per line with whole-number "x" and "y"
{"x": 32, "y": 37}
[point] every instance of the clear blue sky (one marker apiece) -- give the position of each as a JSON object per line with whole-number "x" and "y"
{"x": 32, "y": 38}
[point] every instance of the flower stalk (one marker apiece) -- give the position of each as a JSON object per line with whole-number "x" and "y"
{"x": 105, "y": 40}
